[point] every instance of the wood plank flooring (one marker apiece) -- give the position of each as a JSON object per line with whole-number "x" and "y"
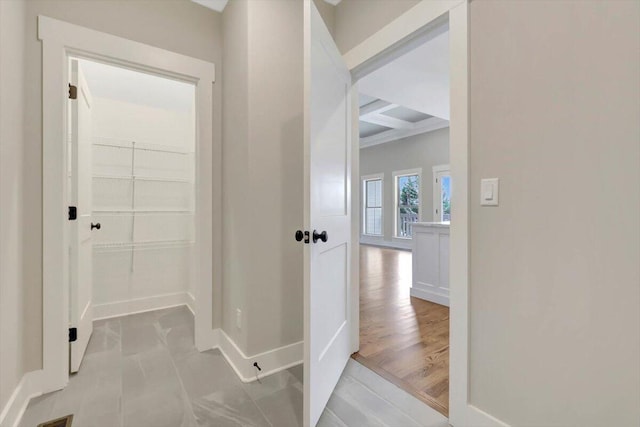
{"x": 403, "y": 339}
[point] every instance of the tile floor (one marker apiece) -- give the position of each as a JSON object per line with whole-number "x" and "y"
{"x": 144, "y": 371}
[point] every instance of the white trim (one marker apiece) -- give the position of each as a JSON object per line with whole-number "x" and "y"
{"x": 363, "y": 207}
{"x": 396, "y": 175}
{"x": 191, "y": 303}
{"x": 391, "y": 135}
{"x": 271, "y": 361}
{"x": 59, "y": 40}
{"x": 404, "y": 244}
{"x": 140, "y": 305}
{"x": 476, "y": 417}
{"x": 402, "y": 28}
{"x": 30, "y": 386}
{"x": 418, "y": 291}
{"x": 429, "y": 14}
{"x": 437, "y": 203}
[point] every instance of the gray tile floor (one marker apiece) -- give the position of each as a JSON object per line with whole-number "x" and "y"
{"x": 363, "y": 398}
{"x": 143, "y": 370}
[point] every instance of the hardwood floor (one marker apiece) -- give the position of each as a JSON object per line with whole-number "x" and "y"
{"x": 403, "y": 339}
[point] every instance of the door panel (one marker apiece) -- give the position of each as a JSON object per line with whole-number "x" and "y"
{"x": 80, "y": 272}
{"x": 328, "y": 180}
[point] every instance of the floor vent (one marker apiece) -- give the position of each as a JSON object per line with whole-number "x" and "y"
{"x": 59, "y": 422}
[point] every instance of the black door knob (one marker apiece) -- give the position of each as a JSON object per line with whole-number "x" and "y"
{"x": 320, "y": 236}
{"x": 97, "y": 225}
{"x": 302, "y": 235}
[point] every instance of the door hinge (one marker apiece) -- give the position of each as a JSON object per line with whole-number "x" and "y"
{"x": 436, "y": 180}
{"x": 73, "y": 213}
{"x": 73, "y": 91}
{"x": 73, "y": 334}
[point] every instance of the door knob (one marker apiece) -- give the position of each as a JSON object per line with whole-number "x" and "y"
{"x": 302, "y": 235}
{"x": 97, "y": 225}
{"x": 320, "y": 236}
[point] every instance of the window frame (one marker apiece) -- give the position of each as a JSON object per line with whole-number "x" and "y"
{"x": 439, "y": 170}
{"x": 399, "y": 174}
{"x": 364, "y": 179}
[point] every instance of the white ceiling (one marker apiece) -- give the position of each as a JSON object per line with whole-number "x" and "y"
{"x": 120, "y": 84}
{"x": 219, "y": 5}
{"x": 418, "y": 80}
{"x": 407, "y": 96}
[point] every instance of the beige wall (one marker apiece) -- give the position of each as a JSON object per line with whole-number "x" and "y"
{"x": 235, "y": 130}
{"x": 420, "y": 151}
{"x": 555, "y": 298}
{"x": 356, "y": 20}
{"x": 177, "y": 25}
{"x": 555, "y": 269}
{"x": 262, "y": 125}
{"x": 11, "y": 193}
{"x": 328, "y": 13}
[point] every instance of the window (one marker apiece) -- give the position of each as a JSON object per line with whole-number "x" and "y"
{"x": 442, "y": 193}
{"x": 407, "y": 201}
{"x": 372, "y": 190}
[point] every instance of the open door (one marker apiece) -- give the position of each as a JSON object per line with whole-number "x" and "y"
{"x": 80, "y": 251}
{"x": 327, "y": 215}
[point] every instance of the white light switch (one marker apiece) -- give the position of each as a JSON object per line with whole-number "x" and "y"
{"x": 489, "y": 189}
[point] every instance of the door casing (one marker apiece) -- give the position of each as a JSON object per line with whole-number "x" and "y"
{"x": 60, "y": 40}
{"x": 397, "y": 37}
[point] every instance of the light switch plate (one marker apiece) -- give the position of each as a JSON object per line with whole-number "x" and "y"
{"x": 489, "y": 191}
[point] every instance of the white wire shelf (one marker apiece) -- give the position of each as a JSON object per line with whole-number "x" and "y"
{"x": 154, "y": 244}
{"x": 144, "y": 211}
{"x": 104, "y": 141}
{"x": 141, "y": 178}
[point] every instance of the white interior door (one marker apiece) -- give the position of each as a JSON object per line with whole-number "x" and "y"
{"x": 80, "y": 251}
{"x": 327, "y": 209}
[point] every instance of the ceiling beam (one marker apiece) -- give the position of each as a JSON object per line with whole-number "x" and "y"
{"x": 423, "y": 126}
{"x": 378, "y": 106}
{"x": 386, "y": 121}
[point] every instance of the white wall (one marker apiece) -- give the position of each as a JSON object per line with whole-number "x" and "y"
{"x": 420, "y": 151}
{"x": 176, "y": 25}
{"x": 262, "y": 126}
{"x": 555, "y": 271}
{"x": 12, "y": 333}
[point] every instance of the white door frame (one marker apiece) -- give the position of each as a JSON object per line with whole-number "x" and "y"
{"x": 369, "y": 55}
{"x": 437, "y": 187}
{"x": 59, "y": 41}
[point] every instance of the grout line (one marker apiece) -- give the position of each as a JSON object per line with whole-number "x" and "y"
{"x": 182, "y": 387}
{"x": 401, "y": 392}
{"x": 340, "y": 420}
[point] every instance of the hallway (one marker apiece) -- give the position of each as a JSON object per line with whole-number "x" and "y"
{"x": 403, "y": 339}
{"x": 143, "y": 370}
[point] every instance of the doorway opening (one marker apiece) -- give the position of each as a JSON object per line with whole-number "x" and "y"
{"x": 131, "y": 192}
{"x": 405, "y": 194}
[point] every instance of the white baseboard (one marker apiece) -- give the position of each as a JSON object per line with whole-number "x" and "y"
{"x": 478, "y": 418}
{"x": 270, "y": 362}
{"x": 405, "y": 244}
{"x": 191, "y": 303}
{"x": 140, "y": 305}
{"x": 29, "y": 386}
{"x": 429, "y": 295}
